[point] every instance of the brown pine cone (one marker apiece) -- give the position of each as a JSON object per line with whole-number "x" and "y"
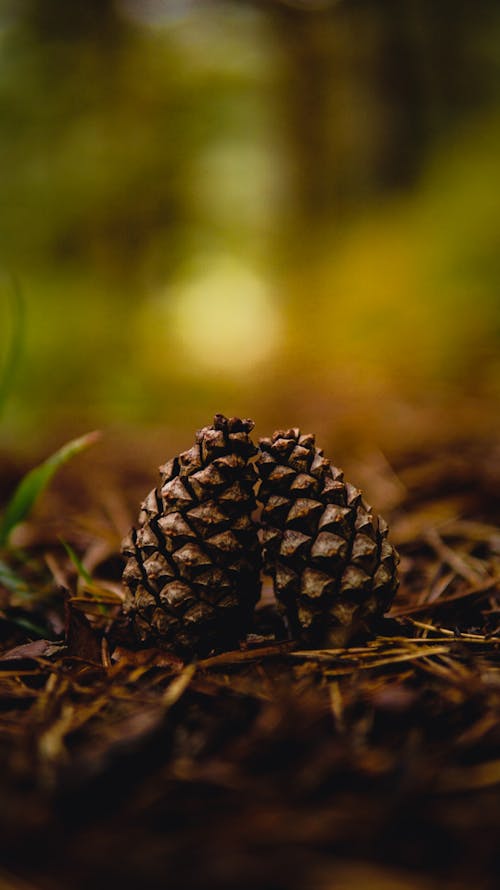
{"x": 332, "y": 565}
{"x": 193, "y": 563}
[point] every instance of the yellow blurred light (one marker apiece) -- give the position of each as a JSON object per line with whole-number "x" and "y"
{"x": 224, "y": 317}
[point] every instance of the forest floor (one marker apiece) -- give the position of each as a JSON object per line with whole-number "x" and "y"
{"x": 374, "y": 766}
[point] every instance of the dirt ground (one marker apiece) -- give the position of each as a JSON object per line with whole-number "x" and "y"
{"x": 375, "y": 766}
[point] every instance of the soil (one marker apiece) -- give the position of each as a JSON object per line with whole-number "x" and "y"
{"x": 374, "y": 766}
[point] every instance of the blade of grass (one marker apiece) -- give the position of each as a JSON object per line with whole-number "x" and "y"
{"x": 19, "y": 589}
{"x": 77, "y": 563}
{"x": 36, "y": 481}
{"x": 26, "y": 624}
{"x": 10, "y": 580}
{"x": 82, "y": 572}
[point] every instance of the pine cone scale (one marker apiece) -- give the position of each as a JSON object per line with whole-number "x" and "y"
{"x": 193, "y": 564}
{"x": 331, "y": 563}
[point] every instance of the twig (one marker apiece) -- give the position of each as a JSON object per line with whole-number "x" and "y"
{"x": 243, "y": 655}
{"x": 491, "y": 584}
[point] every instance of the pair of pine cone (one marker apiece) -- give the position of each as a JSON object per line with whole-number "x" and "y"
{"x": 194, "y": 561}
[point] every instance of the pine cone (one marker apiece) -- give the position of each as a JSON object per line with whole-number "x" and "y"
{"x": 193, "y": 563}
{"x": 332, "y": 565}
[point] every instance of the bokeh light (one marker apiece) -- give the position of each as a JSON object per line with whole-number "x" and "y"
{"x": 224, "y": 317}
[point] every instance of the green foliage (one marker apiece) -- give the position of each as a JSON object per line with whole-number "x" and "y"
{"x": 77, "y": 563}
{"x": 21, "y": 603}
{"x": 36, "y": 481}
{"x": 150, "y": 158}
{"x": 34, "y": 630}
{"x": 12, "y": 581}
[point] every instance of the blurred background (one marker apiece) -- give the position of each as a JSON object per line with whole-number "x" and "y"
{"x": 284, "y": 210}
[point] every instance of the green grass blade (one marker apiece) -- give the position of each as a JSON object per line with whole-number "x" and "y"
{"x": 91, "y": 586}
{"x": 35, "y": 629}
{"x": 36, "y": 481}
{"x": 15, "y": 344}
{"x": 10, "y": 580}
{"x": 77, "y": 563}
